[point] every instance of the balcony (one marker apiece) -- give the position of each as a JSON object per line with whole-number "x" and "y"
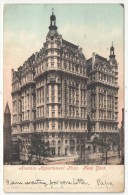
{"x": 27, "y": 83}
{"x": 15, "y": 91}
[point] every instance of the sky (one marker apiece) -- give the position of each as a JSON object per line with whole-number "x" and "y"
{"x": 91, "y": 26}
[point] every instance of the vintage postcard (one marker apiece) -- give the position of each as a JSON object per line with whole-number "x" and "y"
{"x": 63, "y": 97}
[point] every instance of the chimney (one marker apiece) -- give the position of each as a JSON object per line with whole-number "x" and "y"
{"x": 93, "y": 60}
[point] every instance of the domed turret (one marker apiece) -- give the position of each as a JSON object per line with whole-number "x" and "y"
{"x": 52, "y": 28}
{"x": 112, "y": 55}
{"x": 112, "y": 51}
{"x": 52, "y": 33}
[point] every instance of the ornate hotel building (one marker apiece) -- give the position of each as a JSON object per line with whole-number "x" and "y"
{"x": 52, "y": 94}
{"x": 102, "y": 87}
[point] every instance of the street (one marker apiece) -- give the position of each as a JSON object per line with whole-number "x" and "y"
{"x": 92, "y": 159}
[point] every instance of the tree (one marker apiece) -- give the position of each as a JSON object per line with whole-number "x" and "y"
{"x": 39, "y": 148}
{"x": 116, "y": 142}
{"x": 104, "y": 144}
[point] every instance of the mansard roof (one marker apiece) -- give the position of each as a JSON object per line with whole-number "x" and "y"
{"x": 97, "y": 57}
{"x": 69, "y": 44}
{"x": 72, "y": 49}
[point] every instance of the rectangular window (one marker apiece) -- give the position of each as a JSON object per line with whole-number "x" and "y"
{"x": 53, "y": 125}
{"x": 59, "y": 99}
{"x": 66, "y": 141}
{"x": 53, "y": 107}
{"x": 47, "y": 110}
{"x": 53, "y": 93}
{"x": 59, "y": 87}
{"x": 52, "y": 45}
{"x": 52, "y": 87}
{"x": 59, "y": 93}
{"x": 59, "y": 113}
{"x": 47, "y": 124}
{"x": 53, "y": 114}
{"x": 53, "y": 99}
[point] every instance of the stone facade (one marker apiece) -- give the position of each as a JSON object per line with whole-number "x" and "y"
{"x": 49, "y": 96}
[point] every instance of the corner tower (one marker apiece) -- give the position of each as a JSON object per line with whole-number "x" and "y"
{"x": 52, "y": 28}
{"x": 112, "y": 56}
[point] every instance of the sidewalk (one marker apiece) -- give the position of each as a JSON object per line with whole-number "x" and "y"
{"x": 94, "y": 158}
{"x": 62, "y": 158}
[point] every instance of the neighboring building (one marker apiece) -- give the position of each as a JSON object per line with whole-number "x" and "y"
{"x": 49, "y": 95}
{"x": 122, "y": 138}
{"x": 7, "y": 135}
{"x": 103, "y": 92}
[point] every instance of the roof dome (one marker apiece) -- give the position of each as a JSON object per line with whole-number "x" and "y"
{"x": 52, "y": 33}
{"x": 113, "y": 60}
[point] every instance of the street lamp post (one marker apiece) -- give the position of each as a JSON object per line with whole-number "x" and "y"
{"x": 89, "y": 128}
